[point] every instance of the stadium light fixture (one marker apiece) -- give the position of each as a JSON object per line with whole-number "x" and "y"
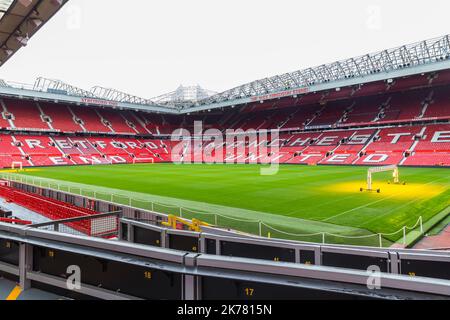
{"x": 25, "y": 3}
{"x": 8, "y": 51}
{"x": 36, "y": 22}
{"x": 57, "y": 2}
{"x": 22, "y": 40}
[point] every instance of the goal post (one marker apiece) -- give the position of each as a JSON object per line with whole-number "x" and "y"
{"x": 99, "y": 162}
{"x": 143, "y": 160}
{"x": 17, "y": 165}
{"x": 371, "y": 171}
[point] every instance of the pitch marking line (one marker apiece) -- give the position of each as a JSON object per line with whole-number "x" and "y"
{"x": 374, "y": 202}
{"x": 392, "y": 210}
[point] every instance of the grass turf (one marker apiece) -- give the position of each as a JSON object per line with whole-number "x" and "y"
{"x": 297, "y": 200}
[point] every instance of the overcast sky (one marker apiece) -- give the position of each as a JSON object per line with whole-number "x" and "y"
{"x": 148, "y": 48}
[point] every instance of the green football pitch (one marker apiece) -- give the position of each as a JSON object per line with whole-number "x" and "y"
{"x": 299, "y": 202}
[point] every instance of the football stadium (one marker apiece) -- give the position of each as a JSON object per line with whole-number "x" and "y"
{"x": 302, "y": 185}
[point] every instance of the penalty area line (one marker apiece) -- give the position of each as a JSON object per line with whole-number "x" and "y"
{"x": 377, "y": 201}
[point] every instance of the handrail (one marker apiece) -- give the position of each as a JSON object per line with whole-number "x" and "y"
{"x": 15, "y": 221}
{"x": 63, "y": 221}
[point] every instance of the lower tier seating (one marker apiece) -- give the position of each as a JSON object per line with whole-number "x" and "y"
{"x": 422, "y": 145}
{"x": 50, "y": 208}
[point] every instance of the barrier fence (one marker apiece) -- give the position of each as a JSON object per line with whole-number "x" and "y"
{"x": 251, "y": 226}
{"x": 100, "y": 225}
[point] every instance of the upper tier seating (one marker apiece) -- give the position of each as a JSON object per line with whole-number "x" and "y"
{"x": 405, "y": 107}
{"x": 259, "y": 120}
{"x": 91, "y": 120}
{"x": 4, "y": 123}
{"x": 117, "y": 121}
{"x": 440, "y": 105}
{"x": 26, "y": 114}
{"x": 152, "y": 122}
{"x": 301, "y": 117}
{"x": 134, "y": 118}
{"x": 331, "y": 113}
{"x": 386, "y": 104}
{"x": 62, "y": 118}
{"x": 365, "y": 110}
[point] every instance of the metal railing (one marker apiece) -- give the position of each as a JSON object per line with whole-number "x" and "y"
{"x": 258, "y": 227}
{"x": 44, "y": 257}
{"x": 100, "y": 225}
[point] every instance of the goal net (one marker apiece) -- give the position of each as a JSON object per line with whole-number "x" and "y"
{"x": 17, "y": 165}
{"x": 143, "y": 160}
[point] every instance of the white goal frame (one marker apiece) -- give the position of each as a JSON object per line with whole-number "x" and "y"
{"x": 95, "y": 163}
{"x": 15, "y": 163}
{"x": 144, "y": 160}
{"x": 395, "y": 174}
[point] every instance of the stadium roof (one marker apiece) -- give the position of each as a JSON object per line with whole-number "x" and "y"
{"x": 20, "y": 20}
{"x": 425, "y": 56}
{"x": 184, "y": 95}
{"x": 417, "y": 58}
{"x": 4, "y": 6}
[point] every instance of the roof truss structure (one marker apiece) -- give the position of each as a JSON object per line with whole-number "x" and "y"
{"x": 421, "y": 57}
{"x": 116, "y": 95}
{"x": 49, "y": 85}
{"x": 421, "y": 53}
